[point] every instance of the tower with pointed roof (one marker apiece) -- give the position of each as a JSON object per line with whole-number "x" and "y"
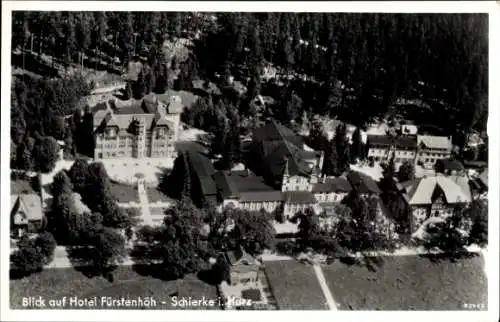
{"x": 286, "y": 177}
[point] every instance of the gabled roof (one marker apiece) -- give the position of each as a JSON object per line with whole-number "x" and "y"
{"x": 239, "y": 257}
{"x": 299, "y": 197}
{"x": 274, "y": 131}
{"x": 337, "y": 184}
{"x": 122, "y": 113}
{"x": 261, "y": 196}
{"x": 362, "y": 183}
{"x": 29, "y": 204}
{"x": 204, "y": 170}
{"x": 386, "y": 140}
{"x": 225, "y": 185}
{"x": 20, "y": 187}
{"x": 421, "y": 191}
{"x": 434, "y": 142}
{"x": 280, "y": 153}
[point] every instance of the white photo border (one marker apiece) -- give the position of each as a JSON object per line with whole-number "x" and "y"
{"x": 490, "y": 7}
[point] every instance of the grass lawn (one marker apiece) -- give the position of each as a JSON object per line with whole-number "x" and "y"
{"x": 56, "y": 283}
{"x": 408, "y": 283}
{"x": 124, "y": 193}
{"x": 187, "y": 98}
{"x": 295, "y": 286}
{"x": 155, "y": 195}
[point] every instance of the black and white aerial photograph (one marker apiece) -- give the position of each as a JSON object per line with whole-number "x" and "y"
{"x": 243, "y": 160}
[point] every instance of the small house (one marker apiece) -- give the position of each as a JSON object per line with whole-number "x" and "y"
{"x": 26, "y": 214}
{"x": 241, "y": 266}
{"x": 26, "y": 209}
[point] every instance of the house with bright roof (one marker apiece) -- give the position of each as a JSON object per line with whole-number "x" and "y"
{"x": 26, "y": 209}
{"x": 431, "y": 148}
{"x": 137, "y": 129}
{"x": 434, "y": 196}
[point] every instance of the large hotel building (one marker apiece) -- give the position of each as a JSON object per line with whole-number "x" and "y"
{"x": 145, "y": 128}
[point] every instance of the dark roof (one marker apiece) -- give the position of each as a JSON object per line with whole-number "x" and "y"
{"x": 279, "y": 152}
{"x": 273, "y": 131}
{"x": 225, "y": 186}
{"x": 234, "y": 256}
{"x": 478, "y": 185}
{"x": 275, "y": 144}
{"x": 299, "y": 197}
{"x": 362, "y": 183}
{"x": 204, "y": 170}
{"x": 338, "y": 184}
{"x": 122, "y": 116}
{"x": 453, "y": 165}
{"x": 135, "y": 107}
{"x": 246, "y": 186}
{"x": 240, "y": 261}
{"x": 475, "y": 164}
{"x": 386, "y": 140}
{"x": 261, "y": 196}
{"x": 248, "y": 182}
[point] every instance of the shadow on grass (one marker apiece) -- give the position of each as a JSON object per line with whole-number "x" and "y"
{"x": 210, "y": 276}
{"x": 153, "y": 270}
{"x": 16, "y": 274}
{"x": 452, "y": 257}
{"x": 79, "y": 257}
{"x": 370, "y": 263}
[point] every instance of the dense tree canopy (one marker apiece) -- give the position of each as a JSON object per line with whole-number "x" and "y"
{"x": 177, "y": 245}
{"x": 358, "y": 64}
{"x": 33, "y": 254}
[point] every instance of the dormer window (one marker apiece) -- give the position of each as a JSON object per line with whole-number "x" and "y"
{"x": 160, "y": 133}
{"x": 111, "y": 132}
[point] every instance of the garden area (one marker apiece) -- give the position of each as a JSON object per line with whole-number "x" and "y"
{"x": 408, "y": 283}
{"x": 155, "y": 195}
{"x": 124, "y": 193}
{"x": 56, "y": 283}
{"x": 294, "y": 285}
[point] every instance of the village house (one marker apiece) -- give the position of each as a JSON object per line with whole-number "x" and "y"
{"x": 421, "y": 149}
{"x": 331, "y": 189}
{"x": 384, "y": 147}
{"x": 239, "y": 267}
{"x": 26, "y": 209}
{"x": 432, "y": 148}
{"x": 434, "y": 196}
{"x": 138, "y": 129}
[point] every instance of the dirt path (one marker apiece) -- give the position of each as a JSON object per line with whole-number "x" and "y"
{"x": 324, "y": 287}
